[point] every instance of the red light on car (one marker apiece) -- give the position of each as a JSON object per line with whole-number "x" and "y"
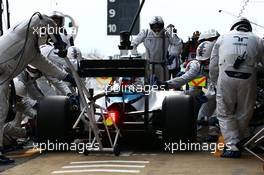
{"x": 113, "y": 115}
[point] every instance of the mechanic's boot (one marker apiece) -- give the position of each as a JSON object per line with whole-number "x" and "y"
{"x": 231, "y": 154}
{"x": 11, "y": 145}
{"x": 5, "y": 160}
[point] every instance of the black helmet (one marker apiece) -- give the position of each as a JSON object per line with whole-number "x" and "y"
{"x": 242, "y": 24}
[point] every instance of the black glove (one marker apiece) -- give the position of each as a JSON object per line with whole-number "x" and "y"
{"x": 69, "y": 78}
{"x": 163, "y": 85}
{"x": 62, "y": 53}
{"x": 61, "y": 46}
{"x": 75, "y": 99}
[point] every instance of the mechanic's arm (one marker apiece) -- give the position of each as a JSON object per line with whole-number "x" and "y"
{"x": 48, "y": 51}
{"x": 214, "y": 60}
{"x": 139, "y": 38}
{"x": 60, "y": 85}
{"x": 191, "y": 74}
{"x": 48, "y": 68}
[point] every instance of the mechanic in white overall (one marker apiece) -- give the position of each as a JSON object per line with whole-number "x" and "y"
{"x": 194, "y": 69}
{"x": 233, "y": 69}
{"x": 207, "y": 110}
{"x": 156, "y": 41}
{"x": 18, "y": 48}
{"x": 49, "y": 51}
{"x": 29, "y": 91}
{"x": 174, "y": 52}
{"x": 38, "y": 84}
{"x": 195, "y": 75}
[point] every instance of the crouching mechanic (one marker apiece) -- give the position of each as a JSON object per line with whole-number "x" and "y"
{"x": 233, "y": 67}
{"x": 13, "y": 130}
{"x": 31, "y": 85}
{"x": 194, "y": 69}
{"x": 18, "y": 48}
{"x": 195, "y": 75}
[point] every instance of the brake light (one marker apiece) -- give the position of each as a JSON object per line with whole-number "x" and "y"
{"x": 113, "y": 115}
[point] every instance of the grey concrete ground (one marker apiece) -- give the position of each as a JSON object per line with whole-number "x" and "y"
{"x": 156, "y": 163}
{"x": 140, "y": 155}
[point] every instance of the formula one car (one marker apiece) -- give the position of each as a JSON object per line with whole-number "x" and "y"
{"x": 127, "y": 105}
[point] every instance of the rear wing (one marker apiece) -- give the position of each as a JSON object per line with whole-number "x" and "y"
{"x": 113, "y": 68}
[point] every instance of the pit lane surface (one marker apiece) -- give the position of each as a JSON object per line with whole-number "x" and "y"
{"x": 140, "y": 155}
{"x": 155, "y": 163}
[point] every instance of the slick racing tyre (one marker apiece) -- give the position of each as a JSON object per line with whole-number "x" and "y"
{"x": 53, "y": 119}
{"x": 179, "y": 122}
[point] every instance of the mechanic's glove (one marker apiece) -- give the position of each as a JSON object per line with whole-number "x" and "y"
{"x": 69, "y": 78}
{"x": 74, "y": 99}
{"x": 61, "y": 45}
{"x": 163, "y": 85}
{"x": 61, "y": 53}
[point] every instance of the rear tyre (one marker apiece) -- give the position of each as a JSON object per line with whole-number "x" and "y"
{"x": 179, "y": 122}
{"x": 53, "y": 119}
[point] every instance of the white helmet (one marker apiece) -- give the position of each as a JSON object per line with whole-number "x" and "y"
{"x": 58, "y": 17}
{"x": 156, "y": 21}
{"x": 203, "y": 51}
{"x": 212, "y": 33}
{"x": 74, "y": 53}
{"x": 242, "y": 24}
